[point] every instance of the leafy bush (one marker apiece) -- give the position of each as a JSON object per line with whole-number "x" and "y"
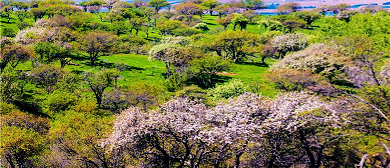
{"x": 47, "y": 76}
{"x": 319, "y": 58}
{"x": 202, "y": 26}
{"x": 22, "y": 25}
{"x": 192, "y": 92}
{"x": 234, "y": 88}
{"x": 133, "y": 44}
{"x": 61, "y": 101}
{"x": 298, "y": 80}
{"x": 289, "y": 42}
{"x": 176, "y": 81}
{"x": 8, "y": 32}
{"x": 186, "y": 31}
{"x": 204, "y": 70}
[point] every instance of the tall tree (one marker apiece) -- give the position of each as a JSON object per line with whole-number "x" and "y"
{"x": 158, "y": 4}
{"x": 96, "y": 42}
{"x": 98, "y": 82}
{"x": 287, "y": 8}
{"x": 236, "y": 45}
{"x": 189, "y": 9}
{"x": 13, "y": 54}
{"x": 210, "y": 5}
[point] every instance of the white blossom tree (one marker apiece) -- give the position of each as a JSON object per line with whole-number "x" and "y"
{"x": 185, "y": 133}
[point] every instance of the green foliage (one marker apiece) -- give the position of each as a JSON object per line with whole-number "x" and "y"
{"x": 158, "y": 4}
{"x": 133, "y": 44}
{"x": 98, "y": 82}
{"x": 12, "y": 85}
{"x": 37, "y": 13}
{"x": 287, "y": 8}
{"x": 308, "y": 16}
{"x": 79, "y": 20}
{"x": 8, "y": 32}
{"x": 166, "y": 27}
{"x": 12, "y": 54}
{"x": 186, "y": 31}
{"x": 204, "y": 71}
{"x": 236, "y": 45}
{"x": 202, "y": 26}
{"x": 22, "y": 25}
{"x": 61, "y": 101}
{"x": 297, "y": 80}
{"x": 20, "y": 145}
{"x": 76, "y": 135}
{"x": 271, "y": 25}
{"x": 233, "y": 88}
{"x": 176, "y": 81}
{"x": 210, "y": 5}
{"x": 47, "y": 76}
{"x": 97, "y": 42}
{"x": 240, "y": 20}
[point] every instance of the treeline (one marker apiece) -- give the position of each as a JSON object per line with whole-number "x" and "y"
{"x": 62, "y": 106}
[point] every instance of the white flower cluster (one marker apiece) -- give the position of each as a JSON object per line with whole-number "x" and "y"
{"x": 29, "y": 35}
{"x": 319, "y": 58}
{"x": 226, "y": 129}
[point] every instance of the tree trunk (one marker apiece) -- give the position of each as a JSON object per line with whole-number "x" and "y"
{"x": 362, "y": 161}
{"x": 167, "y": 66}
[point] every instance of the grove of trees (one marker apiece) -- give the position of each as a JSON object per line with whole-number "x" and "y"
{"x": 108, "y": 83}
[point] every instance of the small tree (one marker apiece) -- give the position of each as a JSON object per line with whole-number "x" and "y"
{"x": 13, "y": 54}
{"x": 252, "y": 4}
{"x": 210, "y": 5}
{"x": 289, "y": 42}
{"x": 287, "y": 8}
{"x": 98, "y": 82}
{"x": 293, "y": 24}
{"x": 47, "y": 76}
{"x": 158, "y": 4}
{"x": 95, "y": 43}
{"x": 7, "y": 11}
{"x": 225, "y": 21}
{"x": 204, "y": 71}
{"x": 222, "y": 10}
{"x": 240, "y": 20}
{"x": 308, "y": 16}
{"x": 189, "y": 9}
{"x": 236, "y": 45}
{"x": 233, "y": 88}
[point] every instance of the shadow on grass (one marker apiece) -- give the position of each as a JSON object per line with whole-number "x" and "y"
{"x": 218, "y": 79}
{"x": 260, "y": 64}
{"x": 130, "y": 68}
{"x": 210, "y": 23}
{"x": 100, "y": 63}
{"x": 79, "y": 57}
{"x": 30, "y": 107}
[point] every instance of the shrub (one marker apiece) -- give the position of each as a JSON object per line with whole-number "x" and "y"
{"x": 319, "y": 58}
{"x": 22, "y": 25}
{"x": 293, "y": 80}
{"x": 186, "y": 31}
{"x": 192, "y": 92}
{"x": 234, "y": 88}
{"x": 47, "y": 76}
{"x": 289, "y": 42}
{"x": 8, "y": 32}
{"x": 176, "y": 81}
{"x": 144, "y": 95}
{"x": 202, "y": 26}
{"x": 61, "y": 101}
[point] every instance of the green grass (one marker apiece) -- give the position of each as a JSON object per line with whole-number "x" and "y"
{"x": 253, "y": 73}
{"x": 140, "y": 69}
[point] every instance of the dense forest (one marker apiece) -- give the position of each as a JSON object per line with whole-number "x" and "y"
{"x": 193, "y": 84}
